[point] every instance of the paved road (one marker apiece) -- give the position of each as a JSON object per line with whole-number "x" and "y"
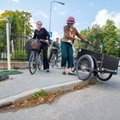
{"x": 26, "y": 81}
{"x": 98, "y": 102}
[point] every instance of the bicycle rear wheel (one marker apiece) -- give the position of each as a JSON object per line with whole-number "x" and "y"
{"x": 33, "y": 62}
{"x": 52, "y": 60}
{"x": 40, "y": 62}
{"x": 84, "y": 67}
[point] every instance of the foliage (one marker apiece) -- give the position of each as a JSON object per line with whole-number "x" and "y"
{"x": 108, "y": 36}
{"x": 20, "y": 25}
{"x": 19, "y": 55}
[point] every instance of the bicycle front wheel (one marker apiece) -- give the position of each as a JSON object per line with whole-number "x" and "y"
{"x": 84, "y": 67}
{"x": 33, "y": 62}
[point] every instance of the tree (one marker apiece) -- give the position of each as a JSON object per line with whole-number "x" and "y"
{"x": 20, "y": 25}
{"x": 2, "y": 35}
{"x": 94, "y": 35}
{"x": 111, "y": 39}
{"x": 118, "y": 44}
{"x": 108, "y": 36}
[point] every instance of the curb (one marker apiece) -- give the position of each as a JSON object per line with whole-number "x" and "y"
{"x": 54, "y": 88}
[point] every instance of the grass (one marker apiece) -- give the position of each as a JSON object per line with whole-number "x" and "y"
{"x": 10, "y": 72}
{"x": 38, "y": 98}
{"x": 41, "y": 93}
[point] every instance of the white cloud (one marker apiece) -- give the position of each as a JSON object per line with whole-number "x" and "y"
{"x": 1, "y": 11}
{"x": 103, "y": 15}
{"x": 15, "y": 1}
{"x": 55, "y": 35}
{"x": 40, "y": 13}
{"x": 33, "y": 23}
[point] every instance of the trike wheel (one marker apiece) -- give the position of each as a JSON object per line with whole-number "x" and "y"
{"x": 104, "y": 76}
{"x": 84, "y": 67}
{"x": 32, "y": 63}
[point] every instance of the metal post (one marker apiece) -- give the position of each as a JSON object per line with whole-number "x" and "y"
{"x": 51, "y": 11}
{"x": 101, "y": 48}
{"x": 8, "y": 42}
{"x": 50, "y": 16}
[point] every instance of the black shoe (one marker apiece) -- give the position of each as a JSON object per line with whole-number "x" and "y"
{"x": 64, "y": 73}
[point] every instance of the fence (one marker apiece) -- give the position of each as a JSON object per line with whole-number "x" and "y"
{"x": 17, "y": 47}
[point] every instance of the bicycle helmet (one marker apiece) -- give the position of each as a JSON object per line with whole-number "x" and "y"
{"x": 71, "y": 20}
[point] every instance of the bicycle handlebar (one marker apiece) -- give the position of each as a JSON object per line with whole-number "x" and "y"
{"x": 87, "y": 42}
{"x": 40, "y": 40}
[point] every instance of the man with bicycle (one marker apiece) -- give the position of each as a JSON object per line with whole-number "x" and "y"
{"x": 54, "y": 49}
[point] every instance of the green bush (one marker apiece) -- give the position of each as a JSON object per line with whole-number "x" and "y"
{"x": 19, "y": 55}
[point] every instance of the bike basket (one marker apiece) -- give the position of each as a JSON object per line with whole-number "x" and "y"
{"x": 35, "y": 44}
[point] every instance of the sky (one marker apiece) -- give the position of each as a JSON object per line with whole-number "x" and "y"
{"x": 85, "y": 12}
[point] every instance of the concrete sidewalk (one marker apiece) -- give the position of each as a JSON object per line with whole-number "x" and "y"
{"x": 25, "y": 82}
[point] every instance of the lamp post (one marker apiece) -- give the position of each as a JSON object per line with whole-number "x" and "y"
{"x": 51, "y": 11}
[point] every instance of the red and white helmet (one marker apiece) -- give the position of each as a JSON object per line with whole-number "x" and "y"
{"x": 71, "y": 20}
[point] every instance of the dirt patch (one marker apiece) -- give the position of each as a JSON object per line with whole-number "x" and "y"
{"x": 39, "y": 98}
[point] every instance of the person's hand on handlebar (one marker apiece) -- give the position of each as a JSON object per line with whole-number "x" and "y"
{"x": 88, "y": 42}
{"x": 47, "y": 41}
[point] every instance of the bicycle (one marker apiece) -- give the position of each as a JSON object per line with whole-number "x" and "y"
{"x": 90, "y": 63}
{"x": 53, "y": 59}
{"x": 36, "y": 58}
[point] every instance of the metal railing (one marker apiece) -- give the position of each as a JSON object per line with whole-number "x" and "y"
{"x": 17, "y": 47}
